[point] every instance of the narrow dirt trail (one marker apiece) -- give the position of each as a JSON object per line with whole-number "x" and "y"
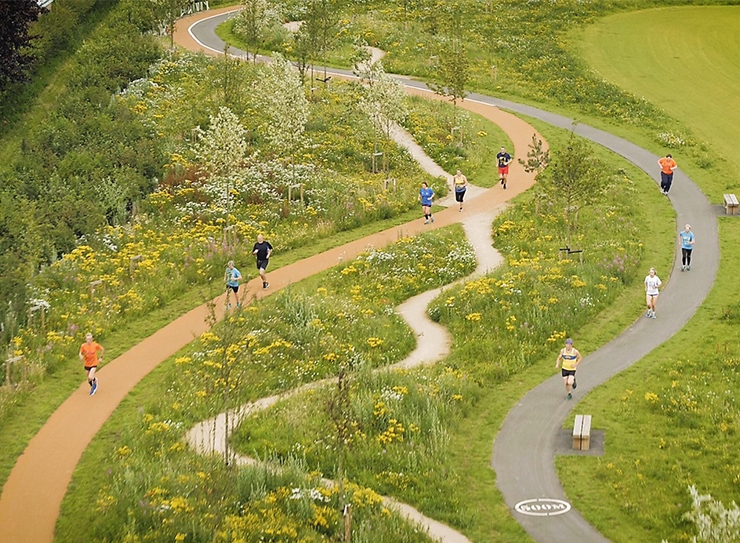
{"x": 31, "y": 498}
{"x": 433, "y": 344}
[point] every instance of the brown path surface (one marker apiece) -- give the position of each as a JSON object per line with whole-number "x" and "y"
{"x": 32, "y": 496}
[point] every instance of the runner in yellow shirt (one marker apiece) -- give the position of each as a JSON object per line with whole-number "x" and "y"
{"x": 570, "y": 358}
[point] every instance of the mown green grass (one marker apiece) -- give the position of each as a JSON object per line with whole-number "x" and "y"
{"x": 685, "y": 60}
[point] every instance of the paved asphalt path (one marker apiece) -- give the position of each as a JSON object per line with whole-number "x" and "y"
{"x": 525, "y": 448}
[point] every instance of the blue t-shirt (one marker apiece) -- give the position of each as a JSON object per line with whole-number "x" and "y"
{"x": 686, "y": 239}
{"x": 232, "y": 277}
{"x": 426, "y": 196}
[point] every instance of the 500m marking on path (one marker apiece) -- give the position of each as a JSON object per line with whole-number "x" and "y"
{"x": 542, "y": 507}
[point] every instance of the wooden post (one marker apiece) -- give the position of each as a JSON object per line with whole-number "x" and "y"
{"x": 457, "y": 129}
{"x": 229, "y": 230}
{"x": 133, "y": 263}
{"x": 33, "y": 309}
{"x": 347, "y": 523}
{"x": 375, "y": 157}
{"x": 8, "y": 362}
{"x": 93, "y": 285}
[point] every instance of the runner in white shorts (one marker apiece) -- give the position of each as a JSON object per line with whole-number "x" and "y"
{"x": 652, "y": 284}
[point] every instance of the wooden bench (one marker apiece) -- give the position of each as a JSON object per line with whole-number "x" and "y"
{"x": 582, "y": 433}
{"x": 730, "y": 204}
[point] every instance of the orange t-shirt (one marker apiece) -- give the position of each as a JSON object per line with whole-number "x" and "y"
{"x": 90, "y": 353}
{"x": 667, "y": 164}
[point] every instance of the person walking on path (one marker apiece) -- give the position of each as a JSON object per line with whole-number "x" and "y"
{"x": 232, "y": 278}
{"x": 460, "y": 183}
{"x": 89, "y": 355}
{"x": 652, "y": 286}
{"x": 687, "y": 245}
{"x": 667, "y": 165}
{"x": 262, "y": 250}
{"x": 503, "y": 158}
{"x": 426, "y": 195}
{"x": 570, "y": 358}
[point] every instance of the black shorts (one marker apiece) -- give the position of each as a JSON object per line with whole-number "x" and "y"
{"x": 459, "y": 195}
{"x": 235, "y": 288}
{"x": 88, "y": 368}
{"x": 262, "y": 264}
{"x": 567, "y": 373}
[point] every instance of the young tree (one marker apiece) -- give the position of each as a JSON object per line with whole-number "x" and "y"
{"x": 575, "y": 178}
{"x": 254, "y": 21}
{"x": 538, "y": 157}
{"x": 383, "y": 101}
{"x": 222, "y": 148}
{"x": 319, "y": 29}
{"x": 345, "y": 424}
{"x": 15, "y": 40}
{"x": 453, "y": 70}
{"x": 714, "y": 522}
{"x": 286, "y": 107}
{"x": 169, "y": 11}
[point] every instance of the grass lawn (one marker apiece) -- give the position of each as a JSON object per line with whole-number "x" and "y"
{"x": 685, "y": 60}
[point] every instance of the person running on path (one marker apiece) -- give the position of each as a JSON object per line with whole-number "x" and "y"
{"x": 89, "y": 355}
{"x": 652, "y": 286}
{"x": 232, "y": 278}
{"x": 503, "y": 158}
{"x": 426, "y": 195}
{"x": 460, "y": 183}
{"x": 570, "y": 358}
{"x": 687, "y": 245}
{"x": 667, "y": 165}
{"x": 262, "y": 250}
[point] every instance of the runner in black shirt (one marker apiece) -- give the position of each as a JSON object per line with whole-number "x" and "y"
{"x": 262, "y": 250}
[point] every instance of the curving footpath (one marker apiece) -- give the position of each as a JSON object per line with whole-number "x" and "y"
{"x": 211, "y": 436}
{"x": 31, "y": 497}
{"x": 525, "y": 448}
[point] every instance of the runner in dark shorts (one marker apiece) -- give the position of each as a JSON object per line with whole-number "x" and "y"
{"x": 262, "y": 250}
{"x": 503, "y": 159}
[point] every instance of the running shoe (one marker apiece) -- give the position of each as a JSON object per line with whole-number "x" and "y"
{"x": 265, "y": 284}
{"x": 94, "y": 387}
{"x": 575, "y": 384}
{"x": 426, "y": 221}
{"x": 649, "y": 314}
{"x": 653, "y": 316}
{"x": 569, "y": 396}
{"x": 432, "y": 218}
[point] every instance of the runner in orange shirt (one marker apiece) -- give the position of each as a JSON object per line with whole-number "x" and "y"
{"x": 667, "y": 165}
{"x": 89, "y": 355}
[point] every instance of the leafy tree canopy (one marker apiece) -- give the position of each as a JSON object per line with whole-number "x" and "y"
{"x": 15, "y": 40}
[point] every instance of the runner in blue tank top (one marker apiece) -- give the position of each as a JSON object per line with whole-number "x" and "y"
{"x": 426, "y": 195}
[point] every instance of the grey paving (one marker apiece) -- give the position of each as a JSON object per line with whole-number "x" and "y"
{"x": 525, "y": 448}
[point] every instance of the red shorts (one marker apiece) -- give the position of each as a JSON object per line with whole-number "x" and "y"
{"x": 503, "y": 170}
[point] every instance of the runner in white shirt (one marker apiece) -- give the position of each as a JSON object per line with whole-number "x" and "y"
{"x": 652, "y": 284}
